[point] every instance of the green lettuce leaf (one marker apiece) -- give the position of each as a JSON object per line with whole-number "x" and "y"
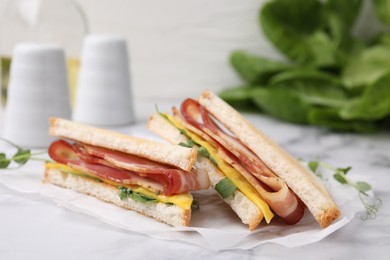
{"x": 373, "y": 104}
{"x": 329, "y": 117}
{"x": 225, "y": 188}
{"x": 366, "y": 68}
{"x": 255, "y": 69}
{"x": 295, "y": 28}
{"x": 239, "y": 97}
{"x": 340, "y": 17}
{"x": 382, "y": 8}
{"x": 282, "y": 103}
{"x": 125, "y": 193}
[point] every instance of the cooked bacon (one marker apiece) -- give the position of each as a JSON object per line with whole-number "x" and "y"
{"x": 178, "y": 117}
{"x": 115, "y": 176}
{"x": 65, "y": 153}
{"x": 122, "y": 168}
{"x": 176, "y": 180}
{"x": 273, "y": 189}
{"x": 62, "y": 152}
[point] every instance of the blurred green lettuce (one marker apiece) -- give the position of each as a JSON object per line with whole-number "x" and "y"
{"x": 329, "y": 78}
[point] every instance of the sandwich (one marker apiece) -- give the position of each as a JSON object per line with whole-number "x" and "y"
{"x": 255, "y": 176}
{"x": 148, "y": 177}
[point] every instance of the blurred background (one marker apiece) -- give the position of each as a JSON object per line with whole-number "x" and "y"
{"x": 177, "y": 48}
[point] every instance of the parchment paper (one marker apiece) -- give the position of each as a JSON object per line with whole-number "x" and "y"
{"x": 213, "y": 225}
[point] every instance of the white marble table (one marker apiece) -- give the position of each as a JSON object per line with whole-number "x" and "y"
{"x": 34, "y": 227}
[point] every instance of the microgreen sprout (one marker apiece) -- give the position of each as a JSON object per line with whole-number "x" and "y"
{"x": 20, "y": 158}
{"x": 371, "y": 203}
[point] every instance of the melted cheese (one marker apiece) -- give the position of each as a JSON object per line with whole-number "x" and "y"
{"x": 184, "y": 201}
{"x": 237, "y": 178}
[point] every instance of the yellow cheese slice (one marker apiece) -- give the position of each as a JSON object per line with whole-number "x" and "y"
{"x": 184, "y": 200}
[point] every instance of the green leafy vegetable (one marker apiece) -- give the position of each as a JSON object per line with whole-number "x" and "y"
{"x": 313, "y": 165}
{"x": 213, "y": 160}
{"x": 183, "y": 132}
{"x": 381, "y": 38}
{"x": 142, "y": 198}
{"x": 294, "y": 27}
{"x": 367, "y": 67}
{"x": 382, "y": 8}
{"x": 160, "y": 113}
{"x": 316, "y": 91}
{"x": 122, "y": 193}
{"x": 333, "y": 78}
{"x": 363, "y": 186}
{"x": 239, "y": 97}
{"x": 225, "y": 188}
{"x": 21, "y": 157}
{"x": 283, "y": 103}
{"x": 345, "y": 12}
{"x": 373, "y": 104}
{"x": 256, "y": 69}
{"x": 4, "y": 162}
{"x": 82, "y": 175}
{"x": 339, "y": 19}
{"x": 189, "y": 143}
{"x": 305, "y": 74}
{"x": 125, "y": 193}
{"x": 340, "y": 176}
{"x": 330, "y": 117}
{"x": 203, "y": 151}
{"x": 292, "y": 99}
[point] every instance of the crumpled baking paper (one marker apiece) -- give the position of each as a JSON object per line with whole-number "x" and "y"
{"x": 214, "y": 225}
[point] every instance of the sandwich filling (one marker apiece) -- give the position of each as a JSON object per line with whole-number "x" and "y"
{"x": 132, "y": 175}
{"x": 239, "y": 164}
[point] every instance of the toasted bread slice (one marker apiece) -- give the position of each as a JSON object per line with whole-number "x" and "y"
{"x": 181, "y": 157}
{"x": 245, "y": 209}
{"x": 308, "y": 188}
{"x": 169, "y": 214}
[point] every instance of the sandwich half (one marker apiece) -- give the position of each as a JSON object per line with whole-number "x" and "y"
{"x": 150, "y": 178}
{"x": 254, "y": 175}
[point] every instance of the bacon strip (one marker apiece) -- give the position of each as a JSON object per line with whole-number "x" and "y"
{"x": 273, "y": 189}
{"x": 122, "y": 168}
{"x": 175, "y": 180}
{"x": 115, "y": 176}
